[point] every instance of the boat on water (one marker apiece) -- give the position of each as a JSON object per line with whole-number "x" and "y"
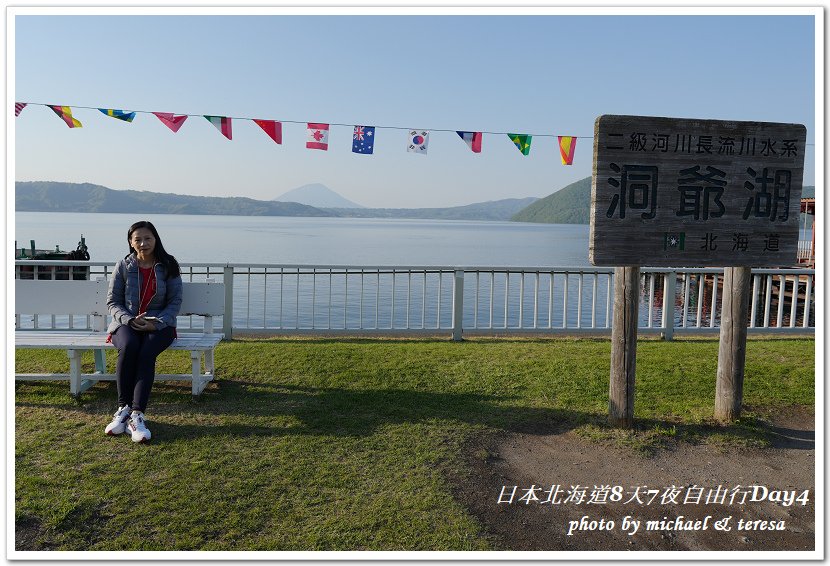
{"x": 80, "y": 253}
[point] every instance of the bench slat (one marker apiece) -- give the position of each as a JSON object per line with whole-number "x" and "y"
{"x": 95, "y": 340}
{"x": 33, "y": 296}
{"x": 45, "y": 297}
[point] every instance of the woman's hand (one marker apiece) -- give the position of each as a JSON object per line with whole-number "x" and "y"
{"x": 141, "y": 324}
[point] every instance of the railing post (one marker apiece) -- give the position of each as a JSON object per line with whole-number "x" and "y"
{"x": 458, "y": 305}
{"x": 227, "y": 318}
{"x": 669, "y": 289}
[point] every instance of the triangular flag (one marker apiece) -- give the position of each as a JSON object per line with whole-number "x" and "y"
{"x": 567, "y": 146}
{"x": 170, "y": 120}
{"x": 223, "y": 124}
{"x": 65, "y": 112}
{"x": 318, "y": 136}
{"x": 418, "y": 141}
{"x": 472, "y": 139}
{"x": 272, "y": 128}
{"x": 522, "y": 141}
{"x": 18, "y": 108}
{"x": 118, "y": 114}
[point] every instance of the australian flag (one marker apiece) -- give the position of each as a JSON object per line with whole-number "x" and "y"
{"x": 363, "y": 140}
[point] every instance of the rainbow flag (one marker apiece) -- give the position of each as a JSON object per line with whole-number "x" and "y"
{"x": 65, "y": 113}
{"x": 223, "y": 124}
{"x": 118, "y": 114}
{"x": 522, "y": 141}
{"x": 567, "y": 146}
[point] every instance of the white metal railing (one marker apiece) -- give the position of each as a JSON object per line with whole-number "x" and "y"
{"x": 296, "y": 299}
{"x": 805, "y": 250}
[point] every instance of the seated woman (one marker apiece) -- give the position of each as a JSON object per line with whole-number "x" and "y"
{"x": 144, "y": 297}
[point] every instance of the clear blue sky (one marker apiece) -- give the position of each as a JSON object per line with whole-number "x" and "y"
{"x": 544, "y": 75}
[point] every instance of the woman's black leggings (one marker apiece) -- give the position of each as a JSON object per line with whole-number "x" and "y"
{"x": 136, "y": 366}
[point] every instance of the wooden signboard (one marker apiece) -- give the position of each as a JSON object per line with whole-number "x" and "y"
{"x": 677, "y": 192}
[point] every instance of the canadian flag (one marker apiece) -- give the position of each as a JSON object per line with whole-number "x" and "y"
{"x": 318, "y": 136}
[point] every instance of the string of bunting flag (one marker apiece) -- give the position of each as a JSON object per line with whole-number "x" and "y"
{"x": 363, "y": 137}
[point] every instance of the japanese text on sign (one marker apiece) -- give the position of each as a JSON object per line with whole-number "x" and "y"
{"x": 675, "y": 192}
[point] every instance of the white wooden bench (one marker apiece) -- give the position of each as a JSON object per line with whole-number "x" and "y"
{"x": 34, "y": 297}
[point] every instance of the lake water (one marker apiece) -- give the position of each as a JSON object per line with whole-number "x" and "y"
{"x": 317, "y": 241}
{"x": 353, "y": 242}
{"x": 350, "y": 300}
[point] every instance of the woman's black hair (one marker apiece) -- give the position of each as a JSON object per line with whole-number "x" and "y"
{"x": 169, "y": 262}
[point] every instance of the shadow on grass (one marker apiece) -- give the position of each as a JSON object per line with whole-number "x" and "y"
{"x": 321, "y": 411}
{"x": 423, "y": 339}
{"x": 344, "y": 412}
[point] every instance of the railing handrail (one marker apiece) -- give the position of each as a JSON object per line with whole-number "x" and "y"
{"x": 447, "y": 268}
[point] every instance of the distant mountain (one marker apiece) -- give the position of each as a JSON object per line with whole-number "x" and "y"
{"x": 569, "y": 205}
{"x": 317, "y": 195}
{"x": 48, "y": 196}
{"x": 491, "y": 210}
{"x": 572, "y": 205}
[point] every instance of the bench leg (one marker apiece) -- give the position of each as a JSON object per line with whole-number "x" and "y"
{"x": 209, "y": 362}
{"x": 198, "y": 382}
{"x": 74, "y": 372}
{"x": 100, "y": 367}
{"x": 100, "y": 361}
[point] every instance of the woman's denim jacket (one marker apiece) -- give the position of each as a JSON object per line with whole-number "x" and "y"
{"x": 123, "y": 295}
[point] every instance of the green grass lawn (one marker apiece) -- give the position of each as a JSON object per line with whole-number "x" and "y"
{"x": 315, "y": 444}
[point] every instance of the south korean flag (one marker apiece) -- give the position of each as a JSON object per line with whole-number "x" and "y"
{"x": 418, "y": 141}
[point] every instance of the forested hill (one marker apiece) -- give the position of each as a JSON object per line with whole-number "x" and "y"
{"x": 569, "y": 205}
{"x": 48, "y": 196}
{"x": 572, "y": 205}
{"x": 492, "y": 210}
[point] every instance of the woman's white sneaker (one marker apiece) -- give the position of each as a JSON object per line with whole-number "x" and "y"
{"x": 138, "y": 429}
{"x": 119, "y": 421}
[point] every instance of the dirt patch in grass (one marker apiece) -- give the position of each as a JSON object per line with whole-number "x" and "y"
{"x": 27, "y": 531}
{"x": 567, "y": 459}
{"x": 82, "y": 523}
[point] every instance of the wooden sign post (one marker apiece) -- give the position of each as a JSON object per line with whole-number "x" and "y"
{"x": 729, "y": 389}
{"x": 624, "y": 346}
{"x": 691, "y": 193}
